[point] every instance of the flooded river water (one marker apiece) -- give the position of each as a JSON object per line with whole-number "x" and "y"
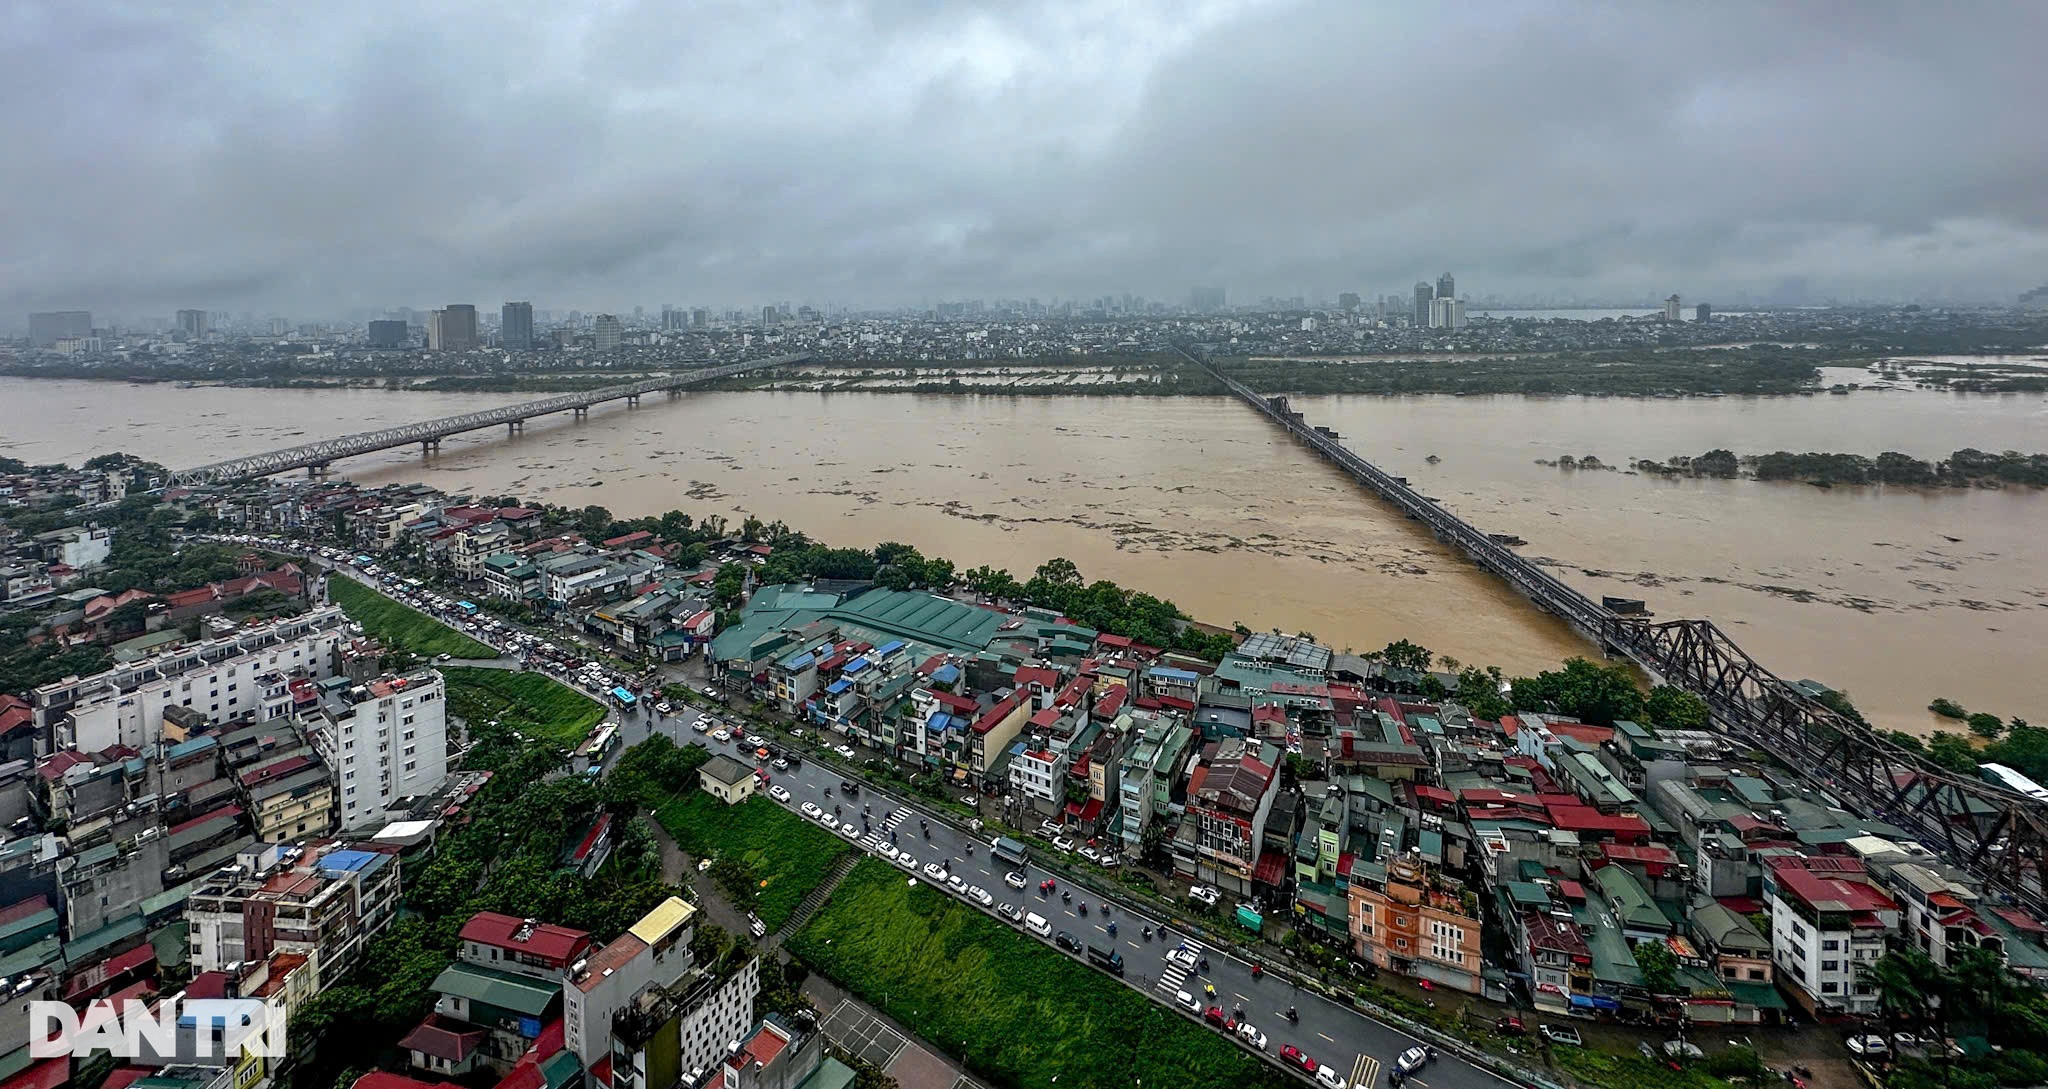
{"x": 1896, "y": 596}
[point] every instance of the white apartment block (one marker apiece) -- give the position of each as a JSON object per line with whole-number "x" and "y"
{"x": 239, "y": 676}
{"x": 383, "y": 741}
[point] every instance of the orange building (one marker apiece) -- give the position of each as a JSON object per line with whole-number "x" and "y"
{"x": 1408, "y": 918}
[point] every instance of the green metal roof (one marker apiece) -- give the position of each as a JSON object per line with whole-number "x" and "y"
{"x": 501, "y": 990}
{"x": 1631, "y": 901}
{"x": 1763, "y": 996}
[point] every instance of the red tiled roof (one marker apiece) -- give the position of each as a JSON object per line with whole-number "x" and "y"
{"x": 1038, "y": 675}
{"x": 22, "y": 909}
{"x": 15, "y": 713}
{"x": 208, "y": 985}
{"x": 384, "y": 1079}
{"x": 223, "y": 813}
{"x": 996, "y": 714}
{"x": 280, "y": 769}
{"x": 444, "y": 1038}
{"x": 554, "y": 943}
{"x": 1269, "y": 868}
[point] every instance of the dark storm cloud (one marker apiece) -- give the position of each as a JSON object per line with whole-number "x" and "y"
{"x": 600, "y": 155}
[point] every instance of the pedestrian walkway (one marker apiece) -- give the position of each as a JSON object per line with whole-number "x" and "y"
{"x": 1177, "y": 977}
{"x": 819, "y": 895}
{"x": 1365, "y": 1072}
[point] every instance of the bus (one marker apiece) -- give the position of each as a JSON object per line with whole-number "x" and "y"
{"x": 469, "y": 608}
{"x": 590, "y": 755}
{"x": 625, "y": 699}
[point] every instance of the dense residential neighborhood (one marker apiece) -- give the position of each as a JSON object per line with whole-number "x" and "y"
{"x": 231, "y": 801}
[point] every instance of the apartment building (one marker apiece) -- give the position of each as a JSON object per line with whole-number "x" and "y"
{"x": 386, "y": 742}
{"x": 526, "y": 947}
{"x": 243, "y": 675}
{"x": 1410, "y": 918}
{"x": 1229, "y": 797}
{"x": 326, "y": 901}
{"x": 469, "y": 548}
{"x": 654, "y": 950}
{"x": 1829, "y": 921}
{"x": 1147, "y": 775}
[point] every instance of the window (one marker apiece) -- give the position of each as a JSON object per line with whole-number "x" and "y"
{"x": 1830, "y": 945}
{"x": 1830, "y": 988}
{"x": 1830, "y": 965}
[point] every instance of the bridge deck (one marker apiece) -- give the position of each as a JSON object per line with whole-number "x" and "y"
{"x": 366, "y": 442}
{"x": 1999, "y": 835}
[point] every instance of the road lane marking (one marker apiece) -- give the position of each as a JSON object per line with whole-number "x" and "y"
{"x": 1326, "y": 1037}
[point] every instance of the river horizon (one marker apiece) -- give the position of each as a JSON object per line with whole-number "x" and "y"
{"x": 1894, "y": 595}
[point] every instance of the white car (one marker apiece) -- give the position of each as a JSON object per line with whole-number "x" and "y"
{"x": 980, "y": 896}
{"x": 1411, "y": 1060}
{"x": 887, "y": 851}
{"x": 1868, "y": 1045}
{"x": 812, "y": 811}
{"x": 701, "y": 725}
{"x": 830, "y": 822}
{"x": 1186, "y": 958}
{"x": 1091, "y": 854}
{"x": 1328, "y": 1078}
{"x": 1204, "y": 894}
{"x": 1014, "y": 879}
{"x": 1251, "y": 1036}
{"x": 757, "y": 741}
{"x": 1063, "y": 843}
{"x": 845, "y": 751}
{"x": 721, "y": 734}
{"x": 1111, "y": 862}
{"x": 933, "y": 872}
{"x": 849, "y": 831}
{"x": 780, "y": 764}
{"x": 663, "y": 707}
{"x": 779, "y": 794}
{"x": 907, "y": 862}
{"x": 1187, "y": 1002}
{"x": 957, "y": 886}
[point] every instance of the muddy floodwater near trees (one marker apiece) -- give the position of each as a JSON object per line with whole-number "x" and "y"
{"x": 1896, "y": 594}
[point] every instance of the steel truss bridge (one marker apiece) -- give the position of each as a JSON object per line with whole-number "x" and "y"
{"x": 1998, "y": 835}
{"x": 317, "y": 456}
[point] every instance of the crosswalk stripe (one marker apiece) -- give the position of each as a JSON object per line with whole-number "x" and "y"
{"x": 1365, "y": 1072}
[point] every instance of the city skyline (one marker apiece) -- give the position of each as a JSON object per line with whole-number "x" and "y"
{"x": 1152, "y": 148}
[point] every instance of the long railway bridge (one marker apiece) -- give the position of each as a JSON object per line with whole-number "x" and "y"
{"x": 316, "y": 457}
{"x": 1998, "y": 834}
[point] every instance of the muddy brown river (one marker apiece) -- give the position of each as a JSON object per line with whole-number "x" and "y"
{"x": 1895, "y": 595}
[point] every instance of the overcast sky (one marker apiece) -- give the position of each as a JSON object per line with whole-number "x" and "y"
{"x": 234, "y": 156}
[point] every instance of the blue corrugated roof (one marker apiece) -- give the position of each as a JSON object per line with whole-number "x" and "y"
{"x": 890, "y": 647}
{"x": 186, "y": 748}
{"x": 798, "y": 661}
{"x": 838, "y": 686}
{"x": 348, "y": 861}
{"x": 856, "y": 665}
{"x": 1171, "y": 674}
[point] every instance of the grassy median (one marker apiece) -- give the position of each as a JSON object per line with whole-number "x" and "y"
{"x": 768, "y": 858}
{"x": 1017, "y": 1012}
{"x": 530, "y": 703}
{"x": 400, "y": 626}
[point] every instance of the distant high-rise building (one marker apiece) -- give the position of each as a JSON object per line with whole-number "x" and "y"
{"x": 515, "y": 326}
{"x": 1446, "y": 312}
{"x": 1446, "y": 288}
{"x": 1703, "y": 312}
{"x": 279, "y": 327}
{"x": 389, "y": 334}
{"x": 1423, "y": 295}
{"x": 452, "y": 329}
{"x": 606, "y": 331}
{"x": 1348, "y": 300}
{"x": 193, "y": 323}
{"x": 1206, "y": 300}
{"x": 700, "y": 317}
{"x": 51, "y": 326}
{"x": 768, "y": 315}
{"x": 1671, "y": 309}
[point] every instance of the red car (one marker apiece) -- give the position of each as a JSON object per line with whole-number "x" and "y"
{"x": 1295, "y": 1055}
{"x": 1214, "y": 1015}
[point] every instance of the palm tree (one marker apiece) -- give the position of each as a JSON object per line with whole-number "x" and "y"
{"x": 1982, "y": 983}
{"x": 1900, "y": 979}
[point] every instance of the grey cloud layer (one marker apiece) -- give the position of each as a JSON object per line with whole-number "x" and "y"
{"x": 876, "y": 153}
